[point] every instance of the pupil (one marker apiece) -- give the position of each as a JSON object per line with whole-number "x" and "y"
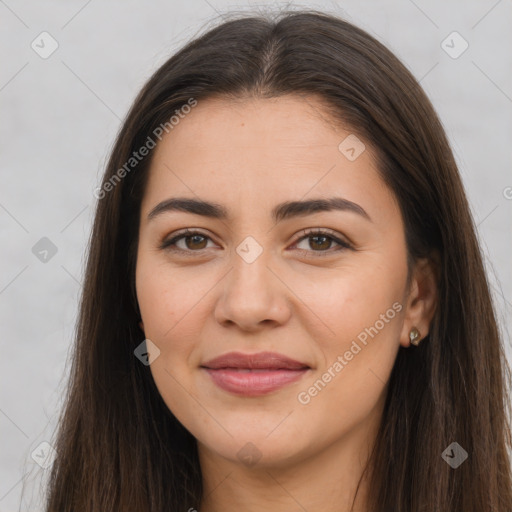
{"x": 195, "y": 238}
{"x": 322, "y": 238}
{"x": 325, "y": 239}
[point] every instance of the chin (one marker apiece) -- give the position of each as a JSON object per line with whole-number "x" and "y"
{"x": 265, "y": 445}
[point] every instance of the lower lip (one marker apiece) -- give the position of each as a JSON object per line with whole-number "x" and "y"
{"x": 253, "y": 382}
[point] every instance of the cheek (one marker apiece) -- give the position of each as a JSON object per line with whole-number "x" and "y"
{"x": 348, "y": 300}
{"x": 166, "y": 298}
{"x": 172, "y": 304}
{"x": 361, "y": 316}
{"x": 168, "y": 302}
{"x": 357, "y": 359}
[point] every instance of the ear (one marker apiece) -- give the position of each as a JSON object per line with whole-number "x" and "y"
{"x": 141, "y": 325}
{"x": 422, "y": 298}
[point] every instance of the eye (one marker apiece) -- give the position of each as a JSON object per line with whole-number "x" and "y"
{"x": 322, "y": 240}
{"x": 194, "y": 241}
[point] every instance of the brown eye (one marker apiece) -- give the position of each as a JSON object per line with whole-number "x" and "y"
{"x": 193, "y": 241}
{"x": 321, "y": 241}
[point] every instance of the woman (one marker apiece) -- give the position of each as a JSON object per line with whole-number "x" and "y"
{"x": 285, "y": 306}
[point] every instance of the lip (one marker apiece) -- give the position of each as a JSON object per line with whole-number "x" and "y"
{"x": 254, "y": 374}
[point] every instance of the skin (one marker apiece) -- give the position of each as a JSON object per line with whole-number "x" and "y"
{"x": 249, "y": 155}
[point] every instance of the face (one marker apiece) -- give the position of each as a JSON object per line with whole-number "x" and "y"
{"x": 306, "y": 309}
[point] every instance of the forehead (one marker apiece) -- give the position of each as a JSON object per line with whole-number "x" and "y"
{"x": 255, "y": 124}
{"x": 257, "y": 152}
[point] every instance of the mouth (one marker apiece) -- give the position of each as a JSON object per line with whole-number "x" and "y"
{"x": 254, "y": 374}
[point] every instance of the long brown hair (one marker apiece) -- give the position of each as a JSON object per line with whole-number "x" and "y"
{"x": 120, "y": 448}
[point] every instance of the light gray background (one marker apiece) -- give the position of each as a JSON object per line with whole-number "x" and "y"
{"x": 59, "y": 119}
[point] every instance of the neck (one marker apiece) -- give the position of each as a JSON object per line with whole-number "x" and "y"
{"x": 326, "y": 481}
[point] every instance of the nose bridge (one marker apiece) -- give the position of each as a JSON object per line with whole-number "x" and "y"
{"x": 250, "y": 262}
{"x": 251, "y": 291}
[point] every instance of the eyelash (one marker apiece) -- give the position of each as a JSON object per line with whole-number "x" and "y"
{"x": 169, "y": 245}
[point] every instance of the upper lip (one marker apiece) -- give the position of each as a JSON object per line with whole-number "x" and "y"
{"x": 260, "y": 360}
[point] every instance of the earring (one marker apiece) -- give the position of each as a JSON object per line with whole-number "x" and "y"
{"x": 414, "y": 336}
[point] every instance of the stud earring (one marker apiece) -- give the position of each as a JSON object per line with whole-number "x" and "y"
{"x": 414, "y": 336}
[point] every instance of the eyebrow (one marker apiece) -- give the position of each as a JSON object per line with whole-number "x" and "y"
{"x": 283, "y": 211}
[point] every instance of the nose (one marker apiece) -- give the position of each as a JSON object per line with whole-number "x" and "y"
{"x": 253, "y": 295}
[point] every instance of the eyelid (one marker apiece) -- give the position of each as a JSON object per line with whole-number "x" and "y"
{"x": 168, "y": 241}
{"x": 342, "y": 241}
{"x": 303, "y": 233}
